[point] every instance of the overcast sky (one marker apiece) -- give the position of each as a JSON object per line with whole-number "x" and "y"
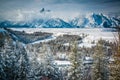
{"x": 27, "y": 9}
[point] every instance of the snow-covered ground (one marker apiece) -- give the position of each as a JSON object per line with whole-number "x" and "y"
{"x": 89, "y": 45}
{"x": 77, "y": 31}
{"x": 62, "y": 63}
{"x": 94, "y": 34}
{"x": 45, "y": 40}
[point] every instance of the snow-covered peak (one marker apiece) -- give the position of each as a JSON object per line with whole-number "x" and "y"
{"x": 55, "y": 23}
{"x": 85, "y": 21}
{"x": 95, "y": 21}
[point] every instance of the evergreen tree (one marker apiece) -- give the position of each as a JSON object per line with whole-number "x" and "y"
{"x": 8, "y": 61}
{"x": 75, "y": 72}
{"x": 100, "y": 66}
{"x": 49, "y": 69}
{"x": 24, "y": 65}
{"x": 11, "y": 61}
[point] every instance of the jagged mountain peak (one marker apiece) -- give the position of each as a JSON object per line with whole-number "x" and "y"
{"x": 92, "y": 20}
{"x": 56, "y": 23}
{"x": 95, "y": 20}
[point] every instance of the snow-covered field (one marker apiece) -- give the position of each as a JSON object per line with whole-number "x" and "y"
{"x": 93, "y": 33}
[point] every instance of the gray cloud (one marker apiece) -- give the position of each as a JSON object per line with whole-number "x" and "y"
{"x": 12, "y": 4}
{"x": 9, "y": 7}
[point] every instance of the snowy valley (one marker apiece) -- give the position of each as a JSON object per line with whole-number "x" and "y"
{"x": 45, "y": 53}
{"x": 59, "y": 39}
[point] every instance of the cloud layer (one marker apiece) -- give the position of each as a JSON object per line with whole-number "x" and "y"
{"x": 59, "y": 8}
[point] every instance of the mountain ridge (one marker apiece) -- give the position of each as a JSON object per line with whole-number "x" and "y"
{"x": 90, "y": 21}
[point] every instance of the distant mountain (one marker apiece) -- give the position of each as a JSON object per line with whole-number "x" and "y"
{"x": 56, "y": 23}
{"x": 11, "y": 24}
{"x": 89, "y": 21}
{"x": 95, "y": 21}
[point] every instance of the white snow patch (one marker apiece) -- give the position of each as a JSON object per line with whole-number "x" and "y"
{"x": 88, "y": 58}
{"x": 66, "y": 44}
{"x": 45, "y": 40}
{"x": 89, "y": 45}
{"x": 64, "y": 63}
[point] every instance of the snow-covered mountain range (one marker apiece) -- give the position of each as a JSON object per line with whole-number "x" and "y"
{"x": 89, "y": 21}
{"x": 95, "y": 21}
